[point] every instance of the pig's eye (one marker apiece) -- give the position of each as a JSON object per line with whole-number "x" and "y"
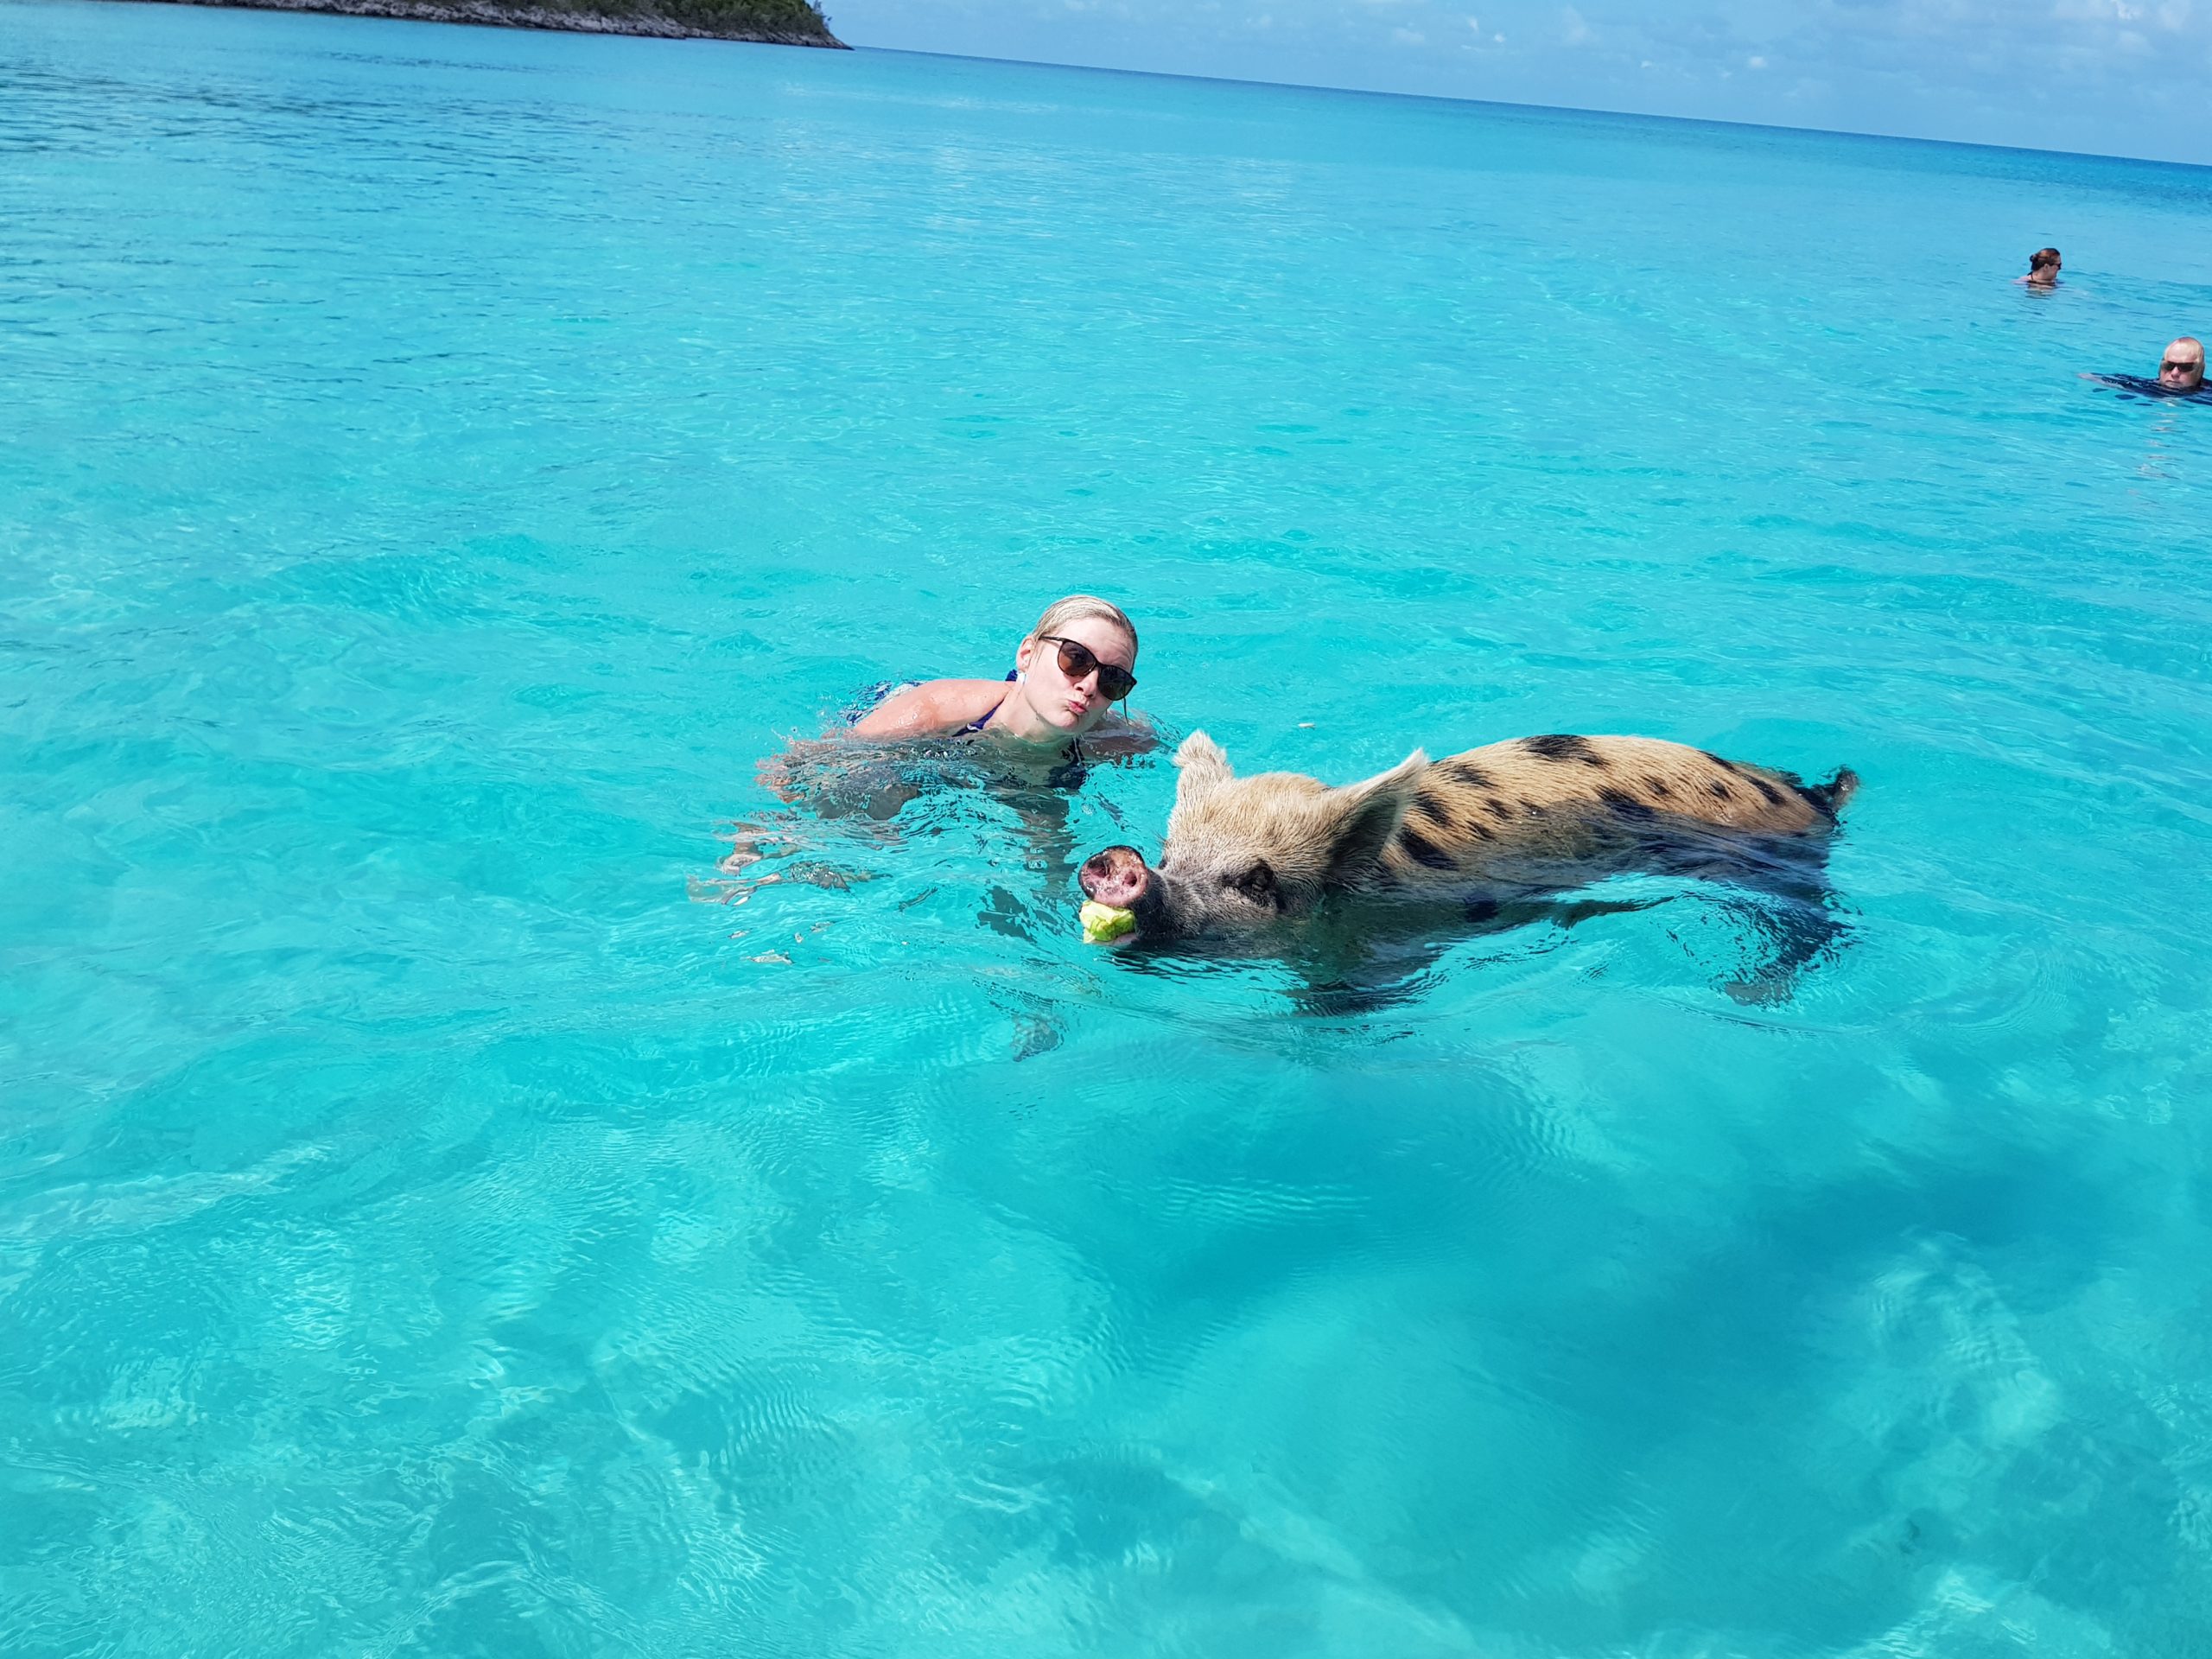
{"x": 1257, "y": 884}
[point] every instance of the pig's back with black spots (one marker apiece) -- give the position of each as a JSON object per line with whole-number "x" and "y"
{"x": 1517, "y": 813}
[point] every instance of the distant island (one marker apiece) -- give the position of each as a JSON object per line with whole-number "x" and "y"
{"x": 778, "y": 22}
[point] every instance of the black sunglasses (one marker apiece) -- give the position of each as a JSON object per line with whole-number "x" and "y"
{"x": 1076, "y": 661}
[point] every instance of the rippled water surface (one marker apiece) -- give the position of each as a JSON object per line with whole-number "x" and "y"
{"x": 441, "y": 1212}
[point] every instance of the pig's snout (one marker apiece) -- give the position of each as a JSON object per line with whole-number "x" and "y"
{"x": 1116, "y": 877}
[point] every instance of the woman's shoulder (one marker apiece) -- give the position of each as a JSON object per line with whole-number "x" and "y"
{"x": 930, "y": 706}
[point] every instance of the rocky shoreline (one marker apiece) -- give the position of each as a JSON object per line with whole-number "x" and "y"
{"x": 773, "y": 24}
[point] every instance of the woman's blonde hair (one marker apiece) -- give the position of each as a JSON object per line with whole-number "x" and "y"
{"x": 1077, "y": 606}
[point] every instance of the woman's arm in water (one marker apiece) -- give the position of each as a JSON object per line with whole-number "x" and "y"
{"x": 932, "y": 707}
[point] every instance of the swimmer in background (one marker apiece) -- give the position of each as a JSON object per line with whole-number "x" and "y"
{"x": 2043, "y": 269}
{"x": 2181, "y": 374}
{"x": 2180, "y": 367}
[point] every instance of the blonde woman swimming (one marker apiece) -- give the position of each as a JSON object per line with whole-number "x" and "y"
{"x": 1045, "y": 721}
{"x": 1068, "y": 671}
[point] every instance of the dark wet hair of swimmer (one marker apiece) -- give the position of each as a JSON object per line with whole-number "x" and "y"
{"x": 2181, "y": 365}
{"x": 2043, "y": 265}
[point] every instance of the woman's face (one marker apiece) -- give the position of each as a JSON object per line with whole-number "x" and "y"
{"x": 1072, "y": 703}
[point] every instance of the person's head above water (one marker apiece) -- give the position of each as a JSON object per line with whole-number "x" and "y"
{"x": 2042, "y": 266}
{"x": 2181, "y": 365}
{"x": 1075, "y": 664}
{"x": 1070, "y": 670}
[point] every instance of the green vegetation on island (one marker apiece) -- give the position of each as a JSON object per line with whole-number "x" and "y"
{"x": 782, "y": 22}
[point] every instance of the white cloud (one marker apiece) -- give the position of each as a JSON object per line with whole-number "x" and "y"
{"x": 1577, "y": 32}
{"x": 2172, "y": 15}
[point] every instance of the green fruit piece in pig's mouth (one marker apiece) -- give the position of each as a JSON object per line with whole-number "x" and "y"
{"x": 1101, "y": 922}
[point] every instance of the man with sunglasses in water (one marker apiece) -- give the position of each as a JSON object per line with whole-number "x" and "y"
{"x": 2181, "y": 373}
{"x": 2180, "y": 367}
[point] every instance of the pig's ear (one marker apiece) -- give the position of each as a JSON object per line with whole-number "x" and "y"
{"x": 1370, "y": 814}
{"x": 1203, "y": 764}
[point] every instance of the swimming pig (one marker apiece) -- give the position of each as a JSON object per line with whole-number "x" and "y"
{"x": 1504, "y": 823}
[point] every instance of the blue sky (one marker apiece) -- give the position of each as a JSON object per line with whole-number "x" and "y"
{"x": 2123, "y": 77}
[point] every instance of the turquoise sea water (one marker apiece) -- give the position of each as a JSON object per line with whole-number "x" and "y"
{"x": 438, "y": 463}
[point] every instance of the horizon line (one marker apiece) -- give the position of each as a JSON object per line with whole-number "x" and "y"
{"x": 1548, "y": 109}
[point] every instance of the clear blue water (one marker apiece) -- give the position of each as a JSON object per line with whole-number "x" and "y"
{"x": 437, "y": 464}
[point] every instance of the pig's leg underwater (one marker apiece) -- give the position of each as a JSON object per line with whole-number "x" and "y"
{"x": 1373, "y": 961}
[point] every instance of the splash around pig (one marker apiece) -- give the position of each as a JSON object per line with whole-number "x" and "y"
{"x": 1508, "y": 822}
